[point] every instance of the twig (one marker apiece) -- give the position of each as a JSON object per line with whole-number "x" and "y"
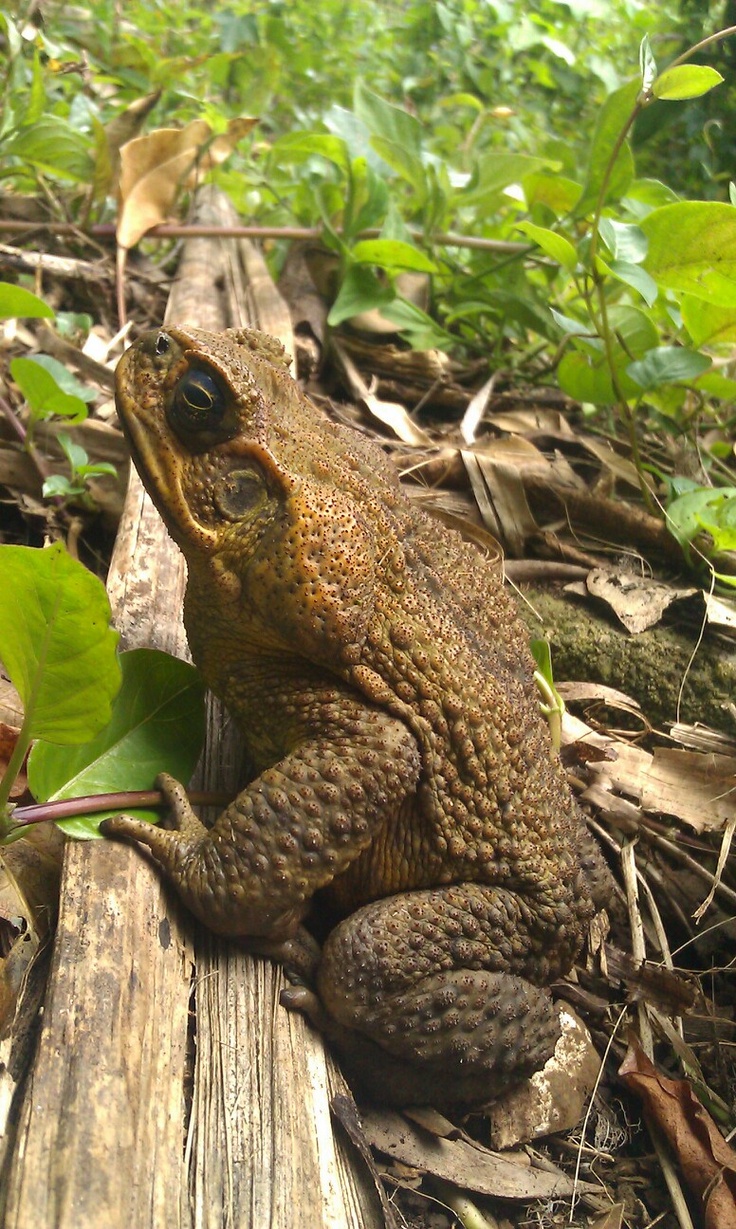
{"x": 106, "y": 230}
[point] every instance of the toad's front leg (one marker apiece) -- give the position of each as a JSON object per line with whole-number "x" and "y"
{"x": 292, "y": 831}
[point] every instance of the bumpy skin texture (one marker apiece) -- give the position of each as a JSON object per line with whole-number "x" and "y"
{"x": 382, "y": 681}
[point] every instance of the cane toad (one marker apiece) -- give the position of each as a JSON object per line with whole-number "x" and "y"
{"x": 402, "y": 771}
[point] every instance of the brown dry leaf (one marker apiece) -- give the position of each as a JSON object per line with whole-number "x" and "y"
{"x": 612, "y": 1219}
{"x": 637, "y": 601}
{"x": 620, "y": 467}
{"x": 390, "y": 413}
{"x": 533, "y": 422}
{"x": 707, "y": 1162}
{"x": 697, "y": 788}
{"x": 468, "y": 1165}
{"x": 495, "y": 477}
{"x": 702, "y": 738}
{"x": 11, "y": 707}
{"x": 475, "y": 409}
{"x": 599, "y": 691}
{"x": 123, "y": 128}
{"x": 8, "y": 739}
{"x": 224, "y": 144}
{"x": 19, "y": 940}
{"x": 720, "y": 611}
{"x": 152, "y": 168}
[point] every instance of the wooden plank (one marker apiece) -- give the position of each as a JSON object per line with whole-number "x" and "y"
{"x": 135, "y": 1113}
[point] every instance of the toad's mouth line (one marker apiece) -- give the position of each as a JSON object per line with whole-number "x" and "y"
{"x": 162, "y": 483}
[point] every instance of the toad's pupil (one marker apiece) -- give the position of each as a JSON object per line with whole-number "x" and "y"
{"x": 198, "y": 403}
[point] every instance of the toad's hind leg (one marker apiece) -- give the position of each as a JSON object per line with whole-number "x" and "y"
{"x": 438, "y": 996}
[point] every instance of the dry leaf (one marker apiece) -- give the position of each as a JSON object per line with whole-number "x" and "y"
{"x": 720, "y": 611}
{"x": 155, "y": 166}
{"x": 620, "y": 467}
{"x": 152, "y": 169}
{"x": 538, "y": 421}
{"x": 636, "y": 601}
{"x": 699, "y": 788}
{"x": 223, "y": 145}
{"x": 612, "y": 1219}
{"x": 468, "y": 1165}
{"x": 123, "y": 128}
{"x": 495, "y": 477}
{"x": 8, "y": 739}
{"x": 473, "y": 415}
{"x": 706, "y": 1161}
{"x": 390, "y": 413}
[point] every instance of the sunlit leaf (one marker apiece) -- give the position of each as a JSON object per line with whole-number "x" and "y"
{"x": 157, "y": 725}
{"x": 15, "y": 301}
{"x": 56, "y": 642}
{"x": 686, "y": 81}
{"x": 555, "y": 246}
{"x": 692, "y": 248}
{"x": 42, "y": 392}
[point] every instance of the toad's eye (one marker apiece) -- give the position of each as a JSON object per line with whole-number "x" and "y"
{"x": 197, "y": 404}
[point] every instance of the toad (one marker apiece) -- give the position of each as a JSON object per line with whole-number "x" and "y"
{"x": 403, "y": 778}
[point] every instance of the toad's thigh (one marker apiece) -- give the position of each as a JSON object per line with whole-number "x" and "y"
{"x": 449, "y": 981}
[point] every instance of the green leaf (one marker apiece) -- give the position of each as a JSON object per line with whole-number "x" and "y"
{"x": 360, "y": 291}
{"x": 667, "y": 365}
{"x": 392, "y": 124}
{"x": 498, "y": 171}
{"x": 43, "y": 394}
{"x": 647, "y": 64}
{"x": 76, "y": 455}
{"x": 634, "y": 330}
{"x": 419, "y": 329}
{"x": 65, "y": 379}
{"x": 402, "y": 162}
{"x": 686, "y": 81}
{"x": 637, "y": 278}
{"x": 575, "y": 328}
{"x": 555, "y": 246}
{"x": 711, "y": 510}
{"x": 692, "y": 248}
{"x": 392, "y": 254}
{"x": 54, "y": 145}
{"x": 56, "y": 642}
{"x": 557, "y": 193}
{"x": 300, "y": 146}
{"x": 17, "y": 302}
{"x": 157, "y": 725}
{"x": 714, "y": 384}
{"x": 57, "y": 486}
{"x": 644, "y": 195}
{"x": 588, "y": 379}
{"x": 612, "y": 119}
{"x": 623, "y": 240}
{"x": 708, "y": 323}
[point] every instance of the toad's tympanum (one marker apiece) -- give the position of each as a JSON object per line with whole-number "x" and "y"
{"x": 403, "y": 781}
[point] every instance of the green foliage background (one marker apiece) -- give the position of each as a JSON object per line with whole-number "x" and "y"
{"x": 542, "y": 126}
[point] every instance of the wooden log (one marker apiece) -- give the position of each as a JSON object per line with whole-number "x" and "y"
{"x": 169, "y": 1088}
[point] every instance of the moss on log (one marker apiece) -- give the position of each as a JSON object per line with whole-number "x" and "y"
{"x": 649, "y": 667}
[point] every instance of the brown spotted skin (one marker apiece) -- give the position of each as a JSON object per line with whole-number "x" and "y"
{"x": 384, "y": 687}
